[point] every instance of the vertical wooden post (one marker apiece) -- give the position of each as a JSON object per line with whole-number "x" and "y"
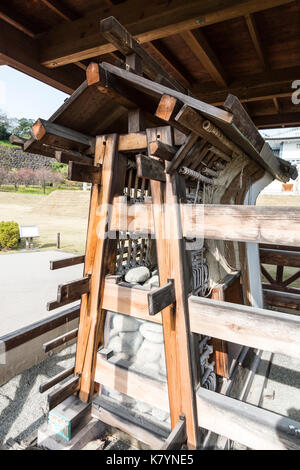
{"x": 113, "y": 174}
{"x": 171, "y": 265}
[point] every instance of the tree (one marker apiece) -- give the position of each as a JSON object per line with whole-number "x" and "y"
{"x": 26, "y": 176}
{"x": 14, "y": 178}
{"x": 43, "y": 177}
{"x": 23, "y": 127}
{"x": 4, "y": 134}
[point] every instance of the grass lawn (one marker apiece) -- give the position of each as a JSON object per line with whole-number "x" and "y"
{"x": 7, "y": 143}
{"x": 31, "y": 209}
{"x": 36, "y": 189}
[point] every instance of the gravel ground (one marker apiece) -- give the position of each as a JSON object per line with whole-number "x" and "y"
{"x": 22, "y": 406}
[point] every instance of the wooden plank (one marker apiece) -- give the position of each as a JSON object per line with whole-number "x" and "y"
{"x": 116, "y": 421}
{"x": 280, "y": 257}
{"x": 258, "y": 328}
{"x": 53, "y": 304}
{"x": 59, "y": 136}
{"x": 80, "y": 40}
{"x": 16, "y": 140}
{"x": 63, "y": 156}
{"x": 152, "y": 89}
{"x": 128, "y": 301}
{"x": 282, "y": 299}
{"x": 55, "y": 343}
{"x": 73, "y": 289}
{"x": 200, "y": 47}
{"x": 113, "y": 167}
{"x": 56, "y": 379}
{"x": 132, "y": 142}
{"x": 239, "y": 421}
{"x": 182, "y": 153}
{"x": 23, "y": 335}
{"x": 117, "y": 35}
{"x": 84, "y": 173}
{"x": 59, "y": 395}
{"x": 177, "y": 437}
{"x": 168, "y": 107}
{"x": 149, "y": 168}
{"x": 243, "y": 122}
{"x": 247, "y": 424}
{"x": 133, "y": 384}
{"x": 161, "y": 150}
{"x": 161, "y": 297}
{"x": 258, "y": 224}
{"x": 66, "y": 262}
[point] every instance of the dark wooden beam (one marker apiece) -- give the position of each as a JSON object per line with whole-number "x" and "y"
{"x": 20, "y": 51}
{"x": 8, "y": 18}
{"x": 79, "y": 40}
{"x": 84, "y": 173}
{"x": 65, "y": 262}
{"x": 61, "y": 10}
{"x": 56, "y": 379}
{"x": 280, "y": 257}
{"x": 202, "y": 50}
{"x": 150, "y": 168}
{"x": 161, "y": 297}
{"x": 66, "y": 156}
{"x": 30, "y": 332}
{"x": 177, "y": 437}
{"x": 276, "y": 120}
{"x": 63, "y": 339}
{"x": 161, "y": 150}
{"x": 253, "y": 31}
{"x": 73, "y": 289}
{"x": 56, "y": 397}
{"x": 116, "y": 34}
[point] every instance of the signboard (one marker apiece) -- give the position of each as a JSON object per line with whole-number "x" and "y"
{"x": 29, "y": 231}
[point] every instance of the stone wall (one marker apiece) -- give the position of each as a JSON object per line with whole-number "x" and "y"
{"x": 13, "y": 157}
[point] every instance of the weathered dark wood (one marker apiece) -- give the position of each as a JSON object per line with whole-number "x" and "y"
{"x": 177, "y": 437}
{"x": 243, "y": 122}
{"x": 161, "y": 150}
{"x": 117, "y": 35}
{"x": 161, "y": 297}
{"x": 106, "y": 353}
{"x": 53, "y": 304}
{"x": 64, "y": 156}
{"x": 279, "y": 247}
{"x": 282, "y": 299}
{"x": 56, "y": 379}
{"x": 84, "y": 173}
{"x": 181, "y": 153}
{"x": 149, "y": 168}
{"x": 16, "y": 140}
{"x": 65, "y": 262}
{"x": 56, "y": 397}
{"x": 55, "y": 343}
{"x": 73, "y": 289}
{"x": 55, "y": 135}
{"x": 280, "y": 257}
{"x": 30, "y": 332}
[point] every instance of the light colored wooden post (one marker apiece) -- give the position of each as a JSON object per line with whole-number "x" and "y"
{"x": 101, "y": 255}
{"x": 175, "y": 318}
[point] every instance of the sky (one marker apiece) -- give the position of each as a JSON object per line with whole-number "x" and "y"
{"x": 24, "y": 96}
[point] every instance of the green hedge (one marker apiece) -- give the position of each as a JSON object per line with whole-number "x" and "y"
{"x": 9, "y": 234}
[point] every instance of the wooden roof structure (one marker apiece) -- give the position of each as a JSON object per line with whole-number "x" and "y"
{"x": 247, "y": 48}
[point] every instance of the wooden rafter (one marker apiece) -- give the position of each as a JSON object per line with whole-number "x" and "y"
{"x": 157, "y": 23}
{"x": 19, "y": 51}
{"x": 253, "y": 31}
{"x": 171, "y": 61}
{"x": 16, "y": 24}
{"x": 202, "y": 50}
{"x": 60, "y": 10}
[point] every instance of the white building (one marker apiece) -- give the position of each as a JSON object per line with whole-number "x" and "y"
{"x": 285, "y": 144}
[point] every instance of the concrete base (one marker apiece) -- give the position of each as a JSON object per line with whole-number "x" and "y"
{"x": 91, "y": 431}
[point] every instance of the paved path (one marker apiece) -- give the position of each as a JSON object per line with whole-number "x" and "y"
{"x": 27, "y": 284}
